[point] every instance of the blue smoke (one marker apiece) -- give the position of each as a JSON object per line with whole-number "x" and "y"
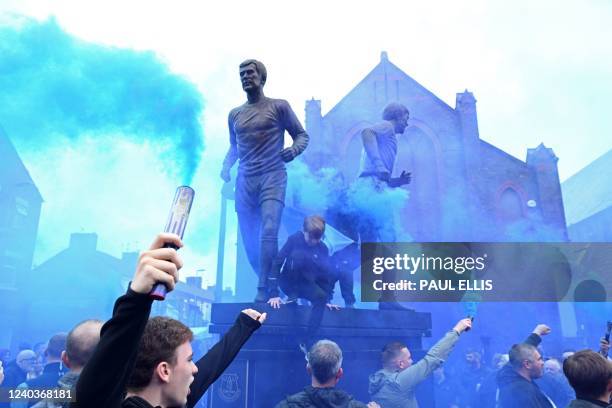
{"x": 54, "y": 85}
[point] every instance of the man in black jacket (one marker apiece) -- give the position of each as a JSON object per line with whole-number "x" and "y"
{"x": 127, "y": 338}
{"x": 515, "y": 380}
{"x": 325, "y": 368}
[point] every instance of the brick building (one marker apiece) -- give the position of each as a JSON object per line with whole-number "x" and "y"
{"x": 463, "y": 187}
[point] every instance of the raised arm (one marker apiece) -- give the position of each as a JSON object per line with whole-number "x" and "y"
{"x": 434, "y": 358}
{"x": 221, "y": 355}
{"x": 103, "y": 379}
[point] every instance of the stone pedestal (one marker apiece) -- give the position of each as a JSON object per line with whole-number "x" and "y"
{"x": 271, "y": 365}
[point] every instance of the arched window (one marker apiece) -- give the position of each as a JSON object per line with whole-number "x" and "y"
{"x": 510, "y": 207}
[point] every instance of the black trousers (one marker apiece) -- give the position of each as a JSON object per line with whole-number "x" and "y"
{"x": 315, "y": 291}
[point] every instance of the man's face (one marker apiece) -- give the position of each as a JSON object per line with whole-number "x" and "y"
{"x": 250, "y": 78}
{"x": 552, "y": 367}
{"x": 536, "y": 367}
{"x": 27, "y": 362}
{"x": 404, "y": 360}
{"x": 181, "y": 376}
{"x": 401, "y": 123}
{"x": 472, "y": 358}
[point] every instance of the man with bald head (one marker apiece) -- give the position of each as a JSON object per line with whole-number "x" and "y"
{"x": 80, "y": 345}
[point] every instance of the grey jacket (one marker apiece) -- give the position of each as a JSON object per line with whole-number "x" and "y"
{"x": 396, "y": 389}
{"x": 67, "y": 382}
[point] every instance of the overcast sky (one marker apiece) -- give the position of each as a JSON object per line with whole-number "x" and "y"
{"x": 541, "y": 71}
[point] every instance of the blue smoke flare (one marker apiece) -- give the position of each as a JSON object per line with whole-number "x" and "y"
{"x": 54, "y": 85}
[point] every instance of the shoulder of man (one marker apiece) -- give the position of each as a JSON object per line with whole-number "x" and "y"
{"x": 232, "y": 113}
{"x": 383, "y": 127}
{"x": 297, "y": 400}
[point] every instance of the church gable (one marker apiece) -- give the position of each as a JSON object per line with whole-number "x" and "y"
{"x": 386, "y": 83}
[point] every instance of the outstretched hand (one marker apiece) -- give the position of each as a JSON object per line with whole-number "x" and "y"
{"x": 541, "y": 330}
{"x": 463, "y": 325}
{"x": 255, "y": 315}
{"x": 405, "y": 177}
{"x": 158, "y": 265}
{"x": 275, "y": 302}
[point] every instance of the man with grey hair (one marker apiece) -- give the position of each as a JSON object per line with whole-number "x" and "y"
{"x": 80, "y": 345}
{"x": 257, "y": 133}
{"x": 554, "y": 384}
{"x": 517, "y": 388}
{"x": 325, "y": 369}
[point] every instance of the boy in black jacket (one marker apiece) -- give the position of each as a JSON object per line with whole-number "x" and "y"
{"x": 131, "y": 348}
{"x": 306, "y": 271}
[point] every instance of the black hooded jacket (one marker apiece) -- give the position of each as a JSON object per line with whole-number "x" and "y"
{"x": 515, "y": 391}
{"x": 329, "y": 397}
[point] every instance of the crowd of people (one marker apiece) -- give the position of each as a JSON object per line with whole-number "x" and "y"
{"x": 134, "y": 361}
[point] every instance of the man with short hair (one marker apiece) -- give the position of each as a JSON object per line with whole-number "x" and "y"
{"x": 152, "y": 360}
{"x": 394, "y": 385}
{"x": 590, "y": 375}
{"x": 257, "y": 130}
{"x": 324, "y": 364}
{"x": 52, "y": 371}
{"x": 80, "y": 345}
{"x": 517, "y": 388}
{"x": 471, "y": 378}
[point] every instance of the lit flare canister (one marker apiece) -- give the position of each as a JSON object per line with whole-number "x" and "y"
{"x": 177, "y": 220}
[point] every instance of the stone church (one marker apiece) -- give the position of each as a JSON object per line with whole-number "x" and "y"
{"x": 463, "y": 188}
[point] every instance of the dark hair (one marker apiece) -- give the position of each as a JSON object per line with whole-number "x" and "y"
{"x": 391, "y": 351}
{"x": 80, "y": 343}
{"x": 57, "y": 344}
{"x": 588, "y": 373}
{"x": 259, "y": 66}
{"x": 521, "y": 352}
{"x": 161, "y": 337}
{"x": 394, "y": 110}
{"x": 324, "y": 360}
{"x": 314, "y": 225}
